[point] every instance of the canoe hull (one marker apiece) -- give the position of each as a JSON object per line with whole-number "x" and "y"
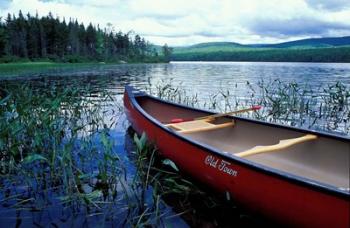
{"x": 270, "y": 195}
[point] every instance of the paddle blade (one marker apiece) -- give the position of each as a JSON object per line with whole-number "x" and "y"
{"x": 178, "y": 120}
{"x": 256, "y": 107}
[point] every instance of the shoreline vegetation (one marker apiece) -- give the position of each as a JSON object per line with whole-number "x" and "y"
{"x": 332, "y": 49}
{"x": 330, "y": 55}
{"x": 323, "y": 109}
{"x": 51, "y": 39}
{"x": 16, "y": 70}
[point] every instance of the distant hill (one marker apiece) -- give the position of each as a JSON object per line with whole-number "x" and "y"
{"x": 211, "y": 46}
{"x": 332, "y": 49}
{"x": 218, "y": 44}
{"x": 311, "y": 43}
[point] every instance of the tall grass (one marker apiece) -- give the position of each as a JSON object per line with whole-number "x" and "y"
{"x": 56, "y": 142}
{"x": 60, "y": 164}
{"x": 325, "y": 109}
{"x": 30, "y": 69}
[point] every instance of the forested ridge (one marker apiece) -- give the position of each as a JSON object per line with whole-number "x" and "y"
{"x": 49, "y": 38}
{"x": 331, "y": 49}
{"x": 337, "y": 54}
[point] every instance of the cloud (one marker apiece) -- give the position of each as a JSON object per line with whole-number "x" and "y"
{"x": 185, "y": 22}
{"x": 296, "y": 27}
{"x": 93, "y": 3}
{"x": 329, "y": 5}
{"x": 208, "y": 34}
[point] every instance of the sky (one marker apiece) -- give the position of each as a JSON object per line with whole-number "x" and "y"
{"x": 186, "y": 22}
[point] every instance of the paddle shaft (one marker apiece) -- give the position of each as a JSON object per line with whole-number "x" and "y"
{"x": 216, "y": 115}
{"x": 228, "y": 113}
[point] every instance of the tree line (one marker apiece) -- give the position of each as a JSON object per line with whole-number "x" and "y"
{"x": 49, "y": 38}
{"x": 332, "y": 54}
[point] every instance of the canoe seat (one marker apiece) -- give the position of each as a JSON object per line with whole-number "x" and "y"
{"x": 198, "y": 125}
{"x": 279, "y": 146}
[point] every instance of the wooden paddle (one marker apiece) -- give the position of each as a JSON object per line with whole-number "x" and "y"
{"x": 253, "y": 108}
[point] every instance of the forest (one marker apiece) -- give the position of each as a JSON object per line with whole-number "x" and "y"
{"x": 325, "y": 54}
{"x": 30, "y": 38}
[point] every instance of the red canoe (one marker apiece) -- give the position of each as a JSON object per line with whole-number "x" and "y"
{"x": 295, "y": 176}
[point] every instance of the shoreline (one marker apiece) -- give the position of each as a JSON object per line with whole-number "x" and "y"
{"x": 16, "y": 70}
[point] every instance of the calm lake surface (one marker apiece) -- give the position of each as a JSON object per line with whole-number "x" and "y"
{"x": 215, "y": 84}
{"x": 201, "y": 79}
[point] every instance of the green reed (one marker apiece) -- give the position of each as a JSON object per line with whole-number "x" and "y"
{"x": 57, "y": 139}
{"x": 326, "y": 108}
{"x": 55, "y": 145}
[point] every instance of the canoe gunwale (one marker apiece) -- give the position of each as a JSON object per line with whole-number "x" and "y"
{"x": 302, "y": 181}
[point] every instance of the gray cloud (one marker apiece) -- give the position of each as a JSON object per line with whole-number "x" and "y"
{"x": 204, "y": 33}
{"x": 96, "y": 4}
{"x": 180, "y": 35}
{"x": 64, "y": 1}
{"x": 329, "y": 5}
{"x": 166, "y": 20}
{"x": 208, "y": 34}
{"x": 295, "y": 27}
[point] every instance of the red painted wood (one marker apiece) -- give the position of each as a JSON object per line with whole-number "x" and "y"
{"x": 270, "y": 195}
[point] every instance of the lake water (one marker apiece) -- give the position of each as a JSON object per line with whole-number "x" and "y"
{"x": 204, "y": 80}
{"x": 205, "y": 77}
{"x": 223, "y": 86}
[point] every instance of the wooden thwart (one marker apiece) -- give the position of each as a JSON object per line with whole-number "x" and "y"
{"x": 204, "y": 123}
{"x": 281, "y": 145}
{"x": 197, "y": 126}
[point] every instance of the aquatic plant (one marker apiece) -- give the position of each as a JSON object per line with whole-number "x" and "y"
{"x": 56, "y": 143}
{"x": 326, "y": 108}
{"x": 59, "y": 164}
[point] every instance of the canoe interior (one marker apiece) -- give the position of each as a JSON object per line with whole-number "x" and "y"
{"x": 325, "y": 159}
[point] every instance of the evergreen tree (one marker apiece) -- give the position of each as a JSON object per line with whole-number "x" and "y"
{"x": 167, "y": 52}
{"x": 33, "y": 37}
{"x": 3, "y": 41}
{"x": 137, "y": 45}
{"x": 82, "y": 37}
{"x": 100, "y": 44}
{"x": 63, "y": 38}
{"x": 42, "y": 40}
{"x": 12, "y": 37}
{"x": 22, "y": 35}
{"x": 91, "y": 41}
{"x": 49, "y": 37}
